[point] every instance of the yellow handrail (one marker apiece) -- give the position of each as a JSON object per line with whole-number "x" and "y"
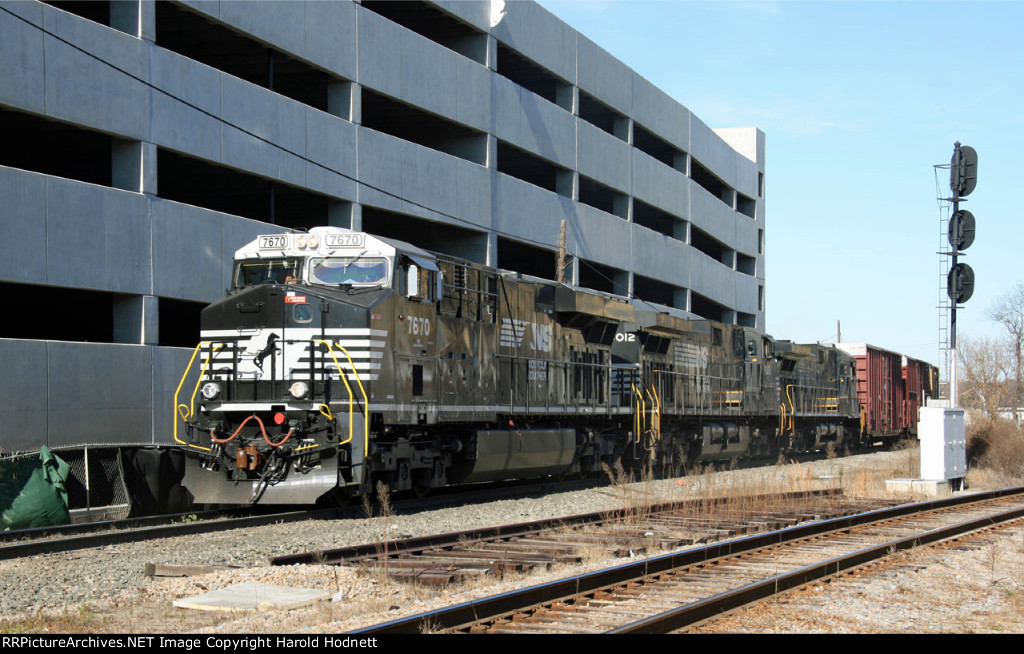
{"x": 192, "y": 401}
{"x": 652, "y": 393}
{"x": 344, "y": 378}
{"x": 792, "y": 409}
{"x": 639, "y": 419}
{"x": 186, "y": 411}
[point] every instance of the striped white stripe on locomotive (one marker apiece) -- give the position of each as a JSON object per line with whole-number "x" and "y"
{"x": 292, "y": 354}
{"x": 690, "y": 356}
{"x": 512, "y": 332}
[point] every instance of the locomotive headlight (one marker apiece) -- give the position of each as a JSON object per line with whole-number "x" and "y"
{"x": 211, "y": 390}
{"x": 313, "y": 242}
{"x": 300, "y": 241}
{"x": 299, "y": 390}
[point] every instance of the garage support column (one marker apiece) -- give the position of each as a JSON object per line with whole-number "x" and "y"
{"x": 345, "y": 214}
{"x": 492, "y": 250}
{"x": 681, "y": 162}
{"x": 137, "y": 319}
{"x": 135, "y": 17}
{"x": 729, "y": 198}
{"x": 623, "y": 128}
{"x": 492, "y": 53}
{"x": 623, "y": 283}
{"x": 568, "y": 97}
{"x": 492, "y": 152}
{"x": 574, "y": 268}
{"x": 622, "y": 206}
{"x": 133, "y": 166}
{"x": 567, "y": 184}
{"x": 344, "y": 100}
{"x": 681, "y": 230}
{"x": 681, "y": 299}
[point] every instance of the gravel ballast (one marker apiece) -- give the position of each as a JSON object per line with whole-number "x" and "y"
{"x": 974, "y": 588}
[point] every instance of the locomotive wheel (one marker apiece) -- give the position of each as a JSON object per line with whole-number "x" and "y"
{"x": 421, "y": 489}
{"x": 336, "y": 498}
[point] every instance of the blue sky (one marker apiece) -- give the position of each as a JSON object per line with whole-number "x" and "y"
{"x": 858, "y": 101}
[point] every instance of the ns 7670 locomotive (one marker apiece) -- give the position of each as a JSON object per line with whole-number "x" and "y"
{"x": 340, "y": 359}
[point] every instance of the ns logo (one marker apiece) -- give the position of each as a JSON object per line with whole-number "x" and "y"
{"x": 513, "y": 333}
{"x": 541, "y": 337}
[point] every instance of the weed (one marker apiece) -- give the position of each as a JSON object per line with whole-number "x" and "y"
{"x": 992, "y": 555}
{"x": 386, "y": 513}
{"x": 83, "y": 620}
{"x": 85, "y": 612}
{"x": 431, "y": 626}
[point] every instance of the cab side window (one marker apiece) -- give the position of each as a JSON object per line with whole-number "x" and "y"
{"x": 420, "y": 283}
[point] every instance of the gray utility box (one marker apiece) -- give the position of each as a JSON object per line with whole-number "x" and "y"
{"x": 943, "y": 444}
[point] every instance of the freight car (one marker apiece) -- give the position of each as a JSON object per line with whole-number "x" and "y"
{"x": 340, "y": 359}
{"x": 890, "y": 389}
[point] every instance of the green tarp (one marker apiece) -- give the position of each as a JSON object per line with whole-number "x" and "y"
{"x": 33, "y": 491}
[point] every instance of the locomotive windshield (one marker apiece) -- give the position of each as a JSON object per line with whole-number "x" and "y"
{"x": 349, "y": 270}
{"x": 267, "y": 271}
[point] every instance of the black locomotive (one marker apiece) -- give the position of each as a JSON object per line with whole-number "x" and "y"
{"x": 340, "y": 359}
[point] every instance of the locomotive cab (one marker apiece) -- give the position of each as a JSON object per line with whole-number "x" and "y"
{"x": 333, "y": 258}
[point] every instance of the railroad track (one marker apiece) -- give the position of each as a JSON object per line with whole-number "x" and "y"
{"x": 446, "y": 558}
{"x": 64, "y": 538}
{"x": 18, "y": 543}
{"x": 671, "y": 592}
{"x": 49, "y": 540}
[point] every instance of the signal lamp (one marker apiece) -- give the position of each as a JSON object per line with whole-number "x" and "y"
{"x": 211, "y": 390}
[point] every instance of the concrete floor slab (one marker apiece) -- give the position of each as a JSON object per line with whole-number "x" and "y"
{"x": 251, "y": 595}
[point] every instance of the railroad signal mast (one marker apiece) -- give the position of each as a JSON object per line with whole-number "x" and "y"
{"x": 963, "y": 177}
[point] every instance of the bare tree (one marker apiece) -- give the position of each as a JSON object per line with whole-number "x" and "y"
{"x": 984, "y": 368}
{"x": 1008, "y": 311}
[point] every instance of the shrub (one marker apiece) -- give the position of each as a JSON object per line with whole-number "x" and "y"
{"x": 997, "y": 445}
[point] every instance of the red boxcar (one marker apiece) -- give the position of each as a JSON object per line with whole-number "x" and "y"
{"x": 920, "y": 381}
{"x": 891, "y": 388}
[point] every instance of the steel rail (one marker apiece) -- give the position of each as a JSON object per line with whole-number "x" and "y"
{"x": 69, "y": 537}
{"x": 691, "y": 614}
{"x": 451, "y": 618}
{"x": 128, "y": 531}
{"x": 410, "y": 545}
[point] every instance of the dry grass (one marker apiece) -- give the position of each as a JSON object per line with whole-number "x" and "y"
{"x": 148, "y": 615}
{"x": 378, "y": 595}
{"x": 707, "y": 488}
{"x": 996, "y": 445}
{"x": 635, "y": 496}
{"x": 385, "y": 517}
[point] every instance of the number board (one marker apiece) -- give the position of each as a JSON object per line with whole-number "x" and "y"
{"x": 279, "y": 242}
{"x": 344, "y": 240}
